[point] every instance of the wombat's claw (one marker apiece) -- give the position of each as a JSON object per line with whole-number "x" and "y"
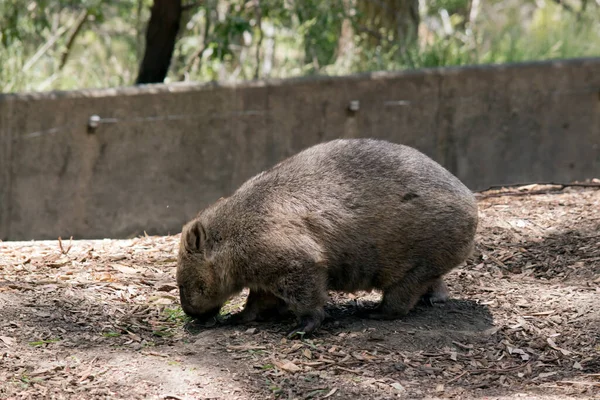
{"x": 194, "y": 326}
{"x": 296, "y": 333}
{"x": 432, "y": 300}
{"x": 230, "y": 319}
{"x": 303, "y": 328}
{"x": 239, "y": 318}
{"x": 426, "y": 300}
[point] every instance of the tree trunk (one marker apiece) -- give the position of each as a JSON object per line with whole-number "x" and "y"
{"x": 75, "y": 31}
{"x": 345, "y": 45}
{"x": 160, "y": 40}
{"x": 389, "y": 22}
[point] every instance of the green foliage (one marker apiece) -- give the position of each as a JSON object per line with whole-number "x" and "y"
{"x": 111, "y": 334}
{"x": 548, "y": 32}
{"x": 176, "y": 314}
{"x": 452, "y": 6}
{"x": 43, "y": 342}
{"x": 319, "y": 44}
{"x": 42, "y": 46}
{"x": 35, "y": 35}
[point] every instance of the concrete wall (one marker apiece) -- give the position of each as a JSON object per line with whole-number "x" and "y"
{"x": 164, "y": 152}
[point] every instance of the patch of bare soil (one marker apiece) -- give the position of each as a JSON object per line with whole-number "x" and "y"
{"x": 100, "y": 319}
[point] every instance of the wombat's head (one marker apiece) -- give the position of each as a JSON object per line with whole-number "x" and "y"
{"x": 199, "y": 287}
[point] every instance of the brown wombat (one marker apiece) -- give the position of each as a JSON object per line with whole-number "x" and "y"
{"x": 345, "y": 215}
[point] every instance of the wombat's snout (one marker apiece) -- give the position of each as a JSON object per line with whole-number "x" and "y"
{"x": 189, "y": 310}
{"x": 201, "y": 317}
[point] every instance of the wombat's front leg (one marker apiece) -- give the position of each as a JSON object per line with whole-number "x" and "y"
{"x": 400, "y": 298}
{"x": 305, "y": 292}
{"x": 260, "y": 305}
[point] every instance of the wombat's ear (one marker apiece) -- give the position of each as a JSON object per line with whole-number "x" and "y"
{"x": 194, "y": 236}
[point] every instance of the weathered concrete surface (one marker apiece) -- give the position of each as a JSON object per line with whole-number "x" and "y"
{"x": 164, "y": 152}
{"x": 5, "y": 166}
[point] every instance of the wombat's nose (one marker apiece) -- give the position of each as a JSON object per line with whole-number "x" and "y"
{"x": 200, "y": 316}
{"x": 186, "y": 309}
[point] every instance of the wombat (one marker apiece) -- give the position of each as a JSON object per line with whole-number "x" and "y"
{"x": 344, "y": 215}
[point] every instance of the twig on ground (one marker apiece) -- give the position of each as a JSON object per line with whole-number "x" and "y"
{"x": 480, "y": 194}
{"x": 457, "y": 377}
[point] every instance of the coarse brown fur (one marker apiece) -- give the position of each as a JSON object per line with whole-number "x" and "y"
{"x": 345, "y": 215}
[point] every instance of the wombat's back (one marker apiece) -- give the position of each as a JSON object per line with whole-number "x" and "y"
{"x": 358, "y": 168}
{"x": 374, "y": 209}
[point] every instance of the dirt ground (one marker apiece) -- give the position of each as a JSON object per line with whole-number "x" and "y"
{"x": 100, "y": 319}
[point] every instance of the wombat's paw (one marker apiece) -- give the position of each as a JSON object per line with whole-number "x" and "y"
{"x": 434, "y": 298}
{"x": 195, "y": 326}
{"x": 240, "y": 318}
{"x": 306, "y": 326}
{"x": 436, "y": 293}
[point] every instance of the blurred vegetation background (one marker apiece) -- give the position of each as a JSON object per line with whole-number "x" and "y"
{"x": 73, "y": 44}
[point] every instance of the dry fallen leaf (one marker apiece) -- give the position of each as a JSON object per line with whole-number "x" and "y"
{"x": 163, "y": 301}
{"x": 246, "y": 347}
{"x": 124, "y": 269}
{"x": 398, "y": 387}
{"x": 555, "y": 347}
{"x": 134, "y": 336}
{"x": 288, "y": 366}
{"x": 103, "y": 277}
{"x": 522, "y": 353}
{"x": 8, "y": 341}
{"x": 295, "y": 347}
{"x": 547, "y": 374}
{"x": 62, "y": 261}
{"x": 165, "y": 287}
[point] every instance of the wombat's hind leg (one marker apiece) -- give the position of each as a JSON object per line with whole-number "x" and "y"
{"x": 260, "y": 305}
{"x": 436, "y": 293}
{"x": 400, "y": 298}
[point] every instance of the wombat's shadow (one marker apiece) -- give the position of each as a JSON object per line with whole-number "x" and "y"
{"x": 454, "y": 314}
{"x": 427, "y": 326}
